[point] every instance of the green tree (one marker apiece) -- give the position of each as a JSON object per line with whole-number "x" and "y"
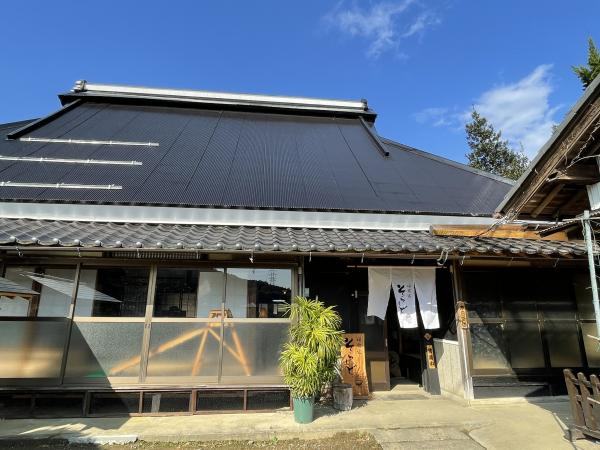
{"x": 490, "y": 152}
{"x": 587, "y": 73}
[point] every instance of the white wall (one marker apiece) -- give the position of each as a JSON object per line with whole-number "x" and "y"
{"x": 448, "y": 363}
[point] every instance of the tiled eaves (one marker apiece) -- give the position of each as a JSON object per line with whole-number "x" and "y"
{"x": 41, "y": 233}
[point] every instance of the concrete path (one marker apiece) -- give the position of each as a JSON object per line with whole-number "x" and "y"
{"x": 405, "y": 417}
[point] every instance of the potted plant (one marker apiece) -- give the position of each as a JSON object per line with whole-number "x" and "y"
{"x": 308, "y": 360}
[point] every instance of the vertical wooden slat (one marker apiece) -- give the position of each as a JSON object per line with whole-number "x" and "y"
{"x": 573, "y": 391}
{"x": 193, "y": 396}
{"x": 596, "y": 396}
{"x": 590, "y": 421}
{"x": 86, "y": 403}
{"x": 148, "y": 323}
{"x": 222, "y": 328}
{"x": 463, "y": 335}
{"x": 75, "y": 290}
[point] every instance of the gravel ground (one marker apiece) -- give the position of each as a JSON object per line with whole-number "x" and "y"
{"x": 340, "y": 441}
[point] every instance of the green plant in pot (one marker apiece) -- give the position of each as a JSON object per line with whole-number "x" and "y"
{"x": 308, "y": 360}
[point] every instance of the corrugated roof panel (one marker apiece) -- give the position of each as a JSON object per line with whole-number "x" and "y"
{"x": 355, "y": 188}
{"x": 210, "y": 178}
{"x": 246, "y": 159}
{"x": 263, "y": 171}
{"x": 67, "y": 121}
{"x": 316, "y": 168}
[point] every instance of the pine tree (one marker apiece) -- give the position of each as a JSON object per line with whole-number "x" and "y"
{"x": 587, "y": 73}
{"x": 490, "y": 152}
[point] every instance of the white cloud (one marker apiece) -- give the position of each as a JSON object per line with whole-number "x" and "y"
{"x": 521, "y": 110}
{"x": 436, "y": 117}
{"x": 380, "y": 24}
{"x": 423, "y": 21}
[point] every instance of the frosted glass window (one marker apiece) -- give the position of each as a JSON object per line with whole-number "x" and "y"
{"x": 32, "y": 349}
{"x": 112, "y": 292}
{"x": 257, "y": 293}
{"x": 184, "y": 350}
{"x": 489, "y": 348}
{"x": 99, "y": 350}
{"x": 252, "y": 350}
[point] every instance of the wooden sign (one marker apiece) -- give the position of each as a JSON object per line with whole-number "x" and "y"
{"x": 354, "y": 366}
{"x": 461, "y": 315}
{"x": 430, "y": 356}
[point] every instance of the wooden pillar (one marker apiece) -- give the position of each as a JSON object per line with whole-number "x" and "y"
{"x": 462, "y": 330}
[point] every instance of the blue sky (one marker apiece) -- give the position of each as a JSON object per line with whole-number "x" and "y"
{"x": 422, "y": 65}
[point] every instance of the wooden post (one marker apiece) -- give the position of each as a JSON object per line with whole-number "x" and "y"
{"x": 572, "y": 389}
{"x": 462, "y": 331}
{"x": 588, "y": 417}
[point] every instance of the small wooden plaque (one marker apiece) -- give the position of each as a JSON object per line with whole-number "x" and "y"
{"x": 354, "y": 367}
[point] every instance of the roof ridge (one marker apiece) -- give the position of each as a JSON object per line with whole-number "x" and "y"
{"x": 83, "y": 87}
{"x": 448, "y": 161}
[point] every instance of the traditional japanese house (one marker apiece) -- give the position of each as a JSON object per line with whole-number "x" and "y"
{"x": 149, "y": 238}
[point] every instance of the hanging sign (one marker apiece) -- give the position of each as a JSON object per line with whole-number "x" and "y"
{"x": 430, "y": 356}
{"x": 354, "y": 367}
{"x": 461, "y": 315}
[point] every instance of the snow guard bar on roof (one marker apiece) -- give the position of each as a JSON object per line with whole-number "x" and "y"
{"x": 347, "y": 106}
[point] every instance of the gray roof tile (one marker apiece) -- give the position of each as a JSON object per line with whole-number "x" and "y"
{"x": 25, "y": 232}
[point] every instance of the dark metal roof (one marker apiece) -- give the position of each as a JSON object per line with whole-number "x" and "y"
{"x": 9, "y": 127}
{"x": 36, "y": 233}
{"x": 221, "y": 158}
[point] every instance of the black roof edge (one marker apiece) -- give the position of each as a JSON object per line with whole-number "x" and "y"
{"x": 67, "y": 97}
{"x": 450, "y": 162}
{"x": 375, "y": 138}
{"x": 42, "y": 121}
{"x": 17, "y": 123}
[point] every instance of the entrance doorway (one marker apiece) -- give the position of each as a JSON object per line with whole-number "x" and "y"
{"x": 404, "y": 349}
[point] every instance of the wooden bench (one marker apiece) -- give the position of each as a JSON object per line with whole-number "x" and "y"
{"x": 584, "y": 397}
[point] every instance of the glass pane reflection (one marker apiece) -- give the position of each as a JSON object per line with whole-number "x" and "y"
{"x": 112, "y": 292}
{"x": 257, "y": 293}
